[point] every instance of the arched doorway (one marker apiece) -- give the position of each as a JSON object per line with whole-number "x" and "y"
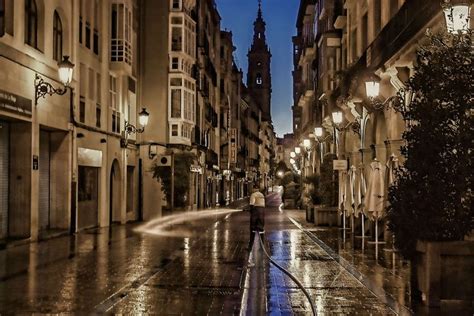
{"x": 115, "y": 192}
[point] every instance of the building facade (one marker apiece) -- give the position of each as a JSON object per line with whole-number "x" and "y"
{"x": 78, "y": 157}
{"x": 351, "y": 44}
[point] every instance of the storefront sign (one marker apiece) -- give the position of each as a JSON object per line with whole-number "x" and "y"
{"x": 196, "y": 169}
{"x": 15, "y": 104}
{"x": 339, "y": 164}
{"x": 89, "y": 157}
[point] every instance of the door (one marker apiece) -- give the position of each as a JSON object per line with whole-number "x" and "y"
{"x": 4, "y": 177}
{"x": 88, "y": 189}
{"x": 44, "y": 180}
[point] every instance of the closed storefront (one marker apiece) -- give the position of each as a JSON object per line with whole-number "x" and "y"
{"x": 44, "y": 180}
{"x": 88, "y": 197}
{"x": 89, "y": 161}
{"x": 4, "y": 178}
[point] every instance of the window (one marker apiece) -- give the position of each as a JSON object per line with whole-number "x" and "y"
{"x": 113, "y": 92}
{"x": 259, "y": 79}
{"x": 2, "y": 17}
{"x": 95, "y": 40}
{"x": 121, "y": 34}
{"x": 176, "y": 5}
{"x": 113, "y": 104}
{"x": 176, "y": 39}
{"x": 174, "y": 130}
{"x": 31, "y": 23}
{"x": 98, "y": 109}
{"x": 175, "y": 63}
{"x": 88, "y": 35}
{"x": 92, "y": 86}
{"x": 176, "y": 103}
{"x": 57, "y": 37}
{"x": 82, "y": 110}
{"x": 98, "y": 113}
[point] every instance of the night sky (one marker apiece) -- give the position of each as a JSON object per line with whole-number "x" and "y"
{"x": 280, "y": 16}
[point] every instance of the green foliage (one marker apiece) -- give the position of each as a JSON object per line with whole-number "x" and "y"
{"x": 182, "y": 173}
{"x": 315, "y": 190}
{"x": 328, "y": 182}
{"x": 433, "y": 199}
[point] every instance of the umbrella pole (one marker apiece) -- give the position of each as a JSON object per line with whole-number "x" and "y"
{"x": 352, "y": 223}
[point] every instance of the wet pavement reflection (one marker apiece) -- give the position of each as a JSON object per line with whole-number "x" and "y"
{"x": 199, "y": 266}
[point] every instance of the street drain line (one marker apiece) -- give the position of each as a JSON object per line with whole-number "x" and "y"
{"x": 377, "y": 291}
{"x": 298, "y": 283}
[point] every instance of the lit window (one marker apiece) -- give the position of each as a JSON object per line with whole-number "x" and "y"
{"x": 259, "y": 79}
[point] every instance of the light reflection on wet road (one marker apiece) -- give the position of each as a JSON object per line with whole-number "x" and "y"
{"x": 198, "y": 271}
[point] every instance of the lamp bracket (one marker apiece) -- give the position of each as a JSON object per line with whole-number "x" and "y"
{"x": 132, "y": 129}
{"x": 43, "y": 88}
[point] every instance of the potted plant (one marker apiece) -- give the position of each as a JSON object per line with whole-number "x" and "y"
{"x": 431, "y": 206}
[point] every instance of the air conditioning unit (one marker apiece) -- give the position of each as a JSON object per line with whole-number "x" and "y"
{"x": 164, "y": 161}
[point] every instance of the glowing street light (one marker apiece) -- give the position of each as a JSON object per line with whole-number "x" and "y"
{"x": 457, "y": 15}
{"x": 297, "y": 150}
{"x": 292, "y": 154}
{"x": 372, "y": 86}
{"x": 337, "y": 117}
{"x": 318, "y": 132}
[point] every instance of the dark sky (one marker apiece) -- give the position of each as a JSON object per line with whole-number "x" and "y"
{"x": 280, "y": 16}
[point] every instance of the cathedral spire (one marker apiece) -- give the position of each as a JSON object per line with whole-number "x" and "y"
{"x": 259, "y": 79}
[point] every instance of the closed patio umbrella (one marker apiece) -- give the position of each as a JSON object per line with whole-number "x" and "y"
{"x": 375, "y": 198}
{"x": 349, "y": 203}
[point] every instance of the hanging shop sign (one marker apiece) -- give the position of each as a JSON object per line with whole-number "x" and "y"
{"x": 13, "y": 103}
{"x": 196, "y": 169}
{"x": 339, "y": 164}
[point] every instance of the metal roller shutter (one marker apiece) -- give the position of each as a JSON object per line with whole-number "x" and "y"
{"x": 44, "y": 180}
{"x": 4, "y": 175}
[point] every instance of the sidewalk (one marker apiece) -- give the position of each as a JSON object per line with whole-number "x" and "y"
{"x": 388, "y": 272}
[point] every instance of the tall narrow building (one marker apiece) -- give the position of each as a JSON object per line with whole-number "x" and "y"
{"x": 259, "y": 80}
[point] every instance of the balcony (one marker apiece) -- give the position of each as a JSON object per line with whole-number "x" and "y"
{"x": 412, "y": 18}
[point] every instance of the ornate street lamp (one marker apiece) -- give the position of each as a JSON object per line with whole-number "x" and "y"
{"x": 297, "y": 150}
{"x": 457, "y": 15}
{"x": 318, "y": 132}
{"x": 43, "y": 88}
{"x": 142, "y": 120}
{"x": 292, "y": 154}
{"x": 337, "y": 118}
{"x": 292, "y": 161}
{"x": 307, "y": 143}
{"x": 372, "y": 87}
{"x": 132, "y": 129}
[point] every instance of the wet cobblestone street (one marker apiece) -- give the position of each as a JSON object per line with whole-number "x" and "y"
{"x": 199, "y": 269}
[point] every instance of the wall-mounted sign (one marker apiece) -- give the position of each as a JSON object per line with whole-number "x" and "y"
{"x": 89, "y": 157}
{"x": 196, "y": 169}
{"x": 14, "y": 103}
{"x": 35, "y": 162}
{"x": 339, "y": 164}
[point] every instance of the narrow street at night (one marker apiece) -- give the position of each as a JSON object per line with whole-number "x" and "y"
{"x": 237, "y": 157}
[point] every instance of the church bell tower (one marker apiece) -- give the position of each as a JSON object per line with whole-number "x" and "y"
{"x": 259, "y": 79}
